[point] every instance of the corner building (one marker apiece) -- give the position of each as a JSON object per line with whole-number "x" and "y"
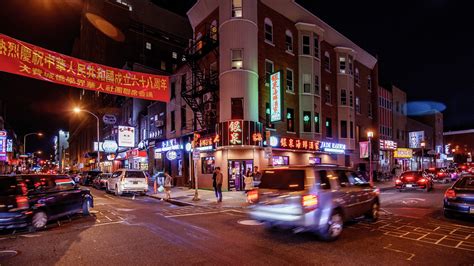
{"x": 288, "y": 81}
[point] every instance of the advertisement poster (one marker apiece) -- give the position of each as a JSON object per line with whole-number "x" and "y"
{"x": 126, "y": 136}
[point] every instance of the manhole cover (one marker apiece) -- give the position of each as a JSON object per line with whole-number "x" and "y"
{"x": 6, "y": 254}
{"x": 250, "y": 222}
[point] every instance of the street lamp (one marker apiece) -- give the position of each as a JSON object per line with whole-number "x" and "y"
{"x": 39, "y": 134}
{"x": 370, "y": 135}
{"x": 78, "y": 110}
{"x": 422, "y": 144}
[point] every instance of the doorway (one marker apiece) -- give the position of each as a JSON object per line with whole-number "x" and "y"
{"x": 237, "y": 170}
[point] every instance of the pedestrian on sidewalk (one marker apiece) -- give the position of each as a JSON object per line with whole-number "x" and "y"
{"x": 256, "y": 176}
{"x": 248, "y": 181}
{"x": 219, "y": 180}
{"x": 214, "y": 184}
{"x": 168, "y": 185}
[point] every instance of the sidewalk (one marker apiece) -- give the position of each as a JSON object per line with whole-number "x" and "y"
{"x": 184, "y": 196}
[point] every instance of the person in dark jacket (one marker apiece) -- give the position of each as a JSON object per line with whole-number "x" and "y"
{"x": 214, "y": 184}
{"x": 219, "y": 181}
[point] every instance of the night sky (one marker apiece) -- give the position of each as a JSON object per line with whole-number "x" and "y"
{"x": 425, "y": 47}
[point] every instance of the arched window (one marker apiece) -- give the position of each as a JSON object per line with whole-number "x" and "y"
{"x": 213, "y": 30}
{"x": 357, "y": 76}
{"x": 289, "y": 41}
{"x": 327, "y": 61}
{"x": 268, "y": 30}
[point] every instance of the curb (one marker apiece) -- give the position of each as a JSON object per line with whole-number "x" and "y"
{"x": 172, "y": 201}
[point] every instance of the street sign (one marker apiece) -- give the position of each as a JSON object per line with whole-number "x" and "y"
{"x": 196, "y": 154}
{"x": 268, "y": 152}
{"x": 109, "y": 146}
{"x": 109, "y": 119}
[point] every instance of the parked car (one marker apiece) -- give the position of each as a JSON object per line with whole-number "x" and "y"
{"x": 459, "y": 198}
{"x": 33, "y": 200}
{"x": 101, "y": 180}
{"x": 127, "y": 181}
{"x": 316, "y": 199}
{"x": 414, "y": 180}
{"x": 89, "y": 176}
{"x": 454, "y": 173}
{"x": 439, "y": 175}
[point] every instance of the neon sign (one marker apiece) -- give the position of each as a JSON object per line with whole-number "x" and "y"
{"x": 333, "y": 147}
{"x": 257, "y": 137}
{"x": 275, "y": 97}
{"x": 235, "y": 132}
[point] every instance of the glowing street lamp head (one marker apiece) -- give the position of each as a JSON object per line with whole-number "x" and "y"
{"x": 423, "y": 144}
{"x": 40, "y": 134}
{"x": 39, "y": 152}
{"x": 77, "y": 110}
{"x": 370, "y": 134}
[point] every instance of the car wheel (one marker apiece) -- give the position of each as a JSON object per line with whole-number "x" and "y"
{"x": 333, "y": 229}
{"x": 107, "y": 188}
{"x": 374, "y": 212}
{"x": 86, "y": 207}
{"x": 39, "y": 220}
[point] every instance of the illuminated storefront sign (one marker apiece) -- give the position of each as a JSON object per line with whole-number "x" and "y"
{"x": 332, "y": 147}
{"x": 403, "y": 153}
{"x": 171, "y": 155}
{"x": 3, "y": 145}
{"x": 126, "y": 136}
{"x": 9, "y": 145}
{"x": 415, "y": 138}
{"x": 275, "y": 97}
{"x": 235, "y": 132}
{"x": 306, "y": 145}
{"x": 135, "y": 153}
{"x": 387, "y": 144}
{"x": 31, "y": 61}
{"x": 208, "y": 141}
{"x": 168, "y": 145}
{"x": 257, "y": 137}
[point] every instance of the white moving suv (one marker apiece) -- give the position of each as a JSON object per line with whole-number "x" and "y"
{"x": 127, "y": 181}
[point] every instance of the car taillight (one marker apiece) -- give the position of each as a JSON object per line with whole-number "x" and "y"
{"x": 309, "y": 202}
{"x": 22, "y": 202}
{"x": 450, "y": 194}
{"x": 252, "y": 196}
{"x": 398, "y": 181}
{"x": 422, "y": 180}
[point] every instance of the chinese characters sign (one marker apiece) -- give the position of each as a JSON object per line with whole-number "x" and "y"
{"x": 235, "y": 132}
{"x": 298, "y": 144}
{"x": 31, "y": 61}
{"x": 126, "y": 136}
{"x": 275, "y": 97}
{"x": 3, "y": 145}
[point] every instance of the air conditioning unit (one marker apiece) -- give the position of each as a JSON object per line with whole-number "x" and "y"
{"x": 159, "y": 123}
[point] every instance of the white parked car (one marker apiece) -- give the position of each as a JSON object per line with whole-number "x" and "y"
{"x": 127, "y": 181}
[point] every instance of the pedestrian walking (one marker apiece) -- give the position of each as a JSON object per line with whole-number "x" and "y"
{"x": 219, "y": 180}
{"x": 248, "y": 181}
{"x": 214, "y": 184}
{"x": 257, "y": 176}
{"x": 168, "y": 185}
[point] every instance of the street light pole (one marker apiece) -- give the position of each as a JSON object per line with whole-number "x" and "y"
{"x": 29, "y": 134}
{"x": 370, "y": 135}
{"x": 78, "y": 110}
{"x": 422, "y": 144}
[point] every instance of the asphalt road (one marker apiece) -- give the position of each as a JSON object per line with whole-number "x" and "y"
{"x": 145, "y": 231}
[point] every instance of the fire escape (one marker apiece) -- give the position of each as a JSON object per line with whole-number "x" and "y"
{"x": 201, "y": 92}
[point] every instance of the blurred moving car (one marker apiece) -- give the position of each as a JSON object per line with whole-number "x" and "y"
{"x": 454, "y": 173}
{"x": 414, "y": 180}
{"x": 89, "y": 176}
{"x": 459, "y": 198}
{"x": 313, "y": 199}
{"x": 101, "y": 180}
{"x": 439, "y": 175}
{"x": 33, "y": 200}
{"x": 127, "y": 181}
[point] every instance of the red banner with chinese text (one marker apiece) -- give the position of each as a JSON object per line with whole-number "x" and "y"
{"x": 31, "y": 61}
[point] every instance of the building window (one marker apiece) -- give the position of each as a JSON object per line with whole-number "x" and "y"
{"x": 173, "y": 90}
{"x": 327, "y": 61}
{"x": 183, "y": 116}
{"x": 343, "y": 97}
{"x": 306, "y": 83}
{"x": 268, "y": 70}
{"x": 268, "y": 30}
{"x": 316, "y": 46}
{"x": 397, "y": 106}
{"x": 172, "y": 118}
{"x": 357, "y": 134}
{"x": 357, "y": 76}
{"x": 213, "y": 30}
{"x": 289, "y": 41}
{"x": 148, "y": 46}
{"x": 342, "y": 64}
{"x": 316, "y": 122}
{"x": 328, "y": 128}
{"x": 351, "y": 130}
{"x": 174, "y": 55}
{"x": 351, "y": 65}
{"x": 290, "y": 120}
{"x": 267, "y": 115}
{"x": 306, "y": 45}
{"x": 370, "y": 110}
{"x": 183, "y": 83}
{"x": 207, "y": 165}
{"x": 351, "y": 98}
{"x": 237, "y": 58}
{"x": 316, "y": 85}
{"x": 369, "y": 83}
{"x": 327, "y": 94}
{"x": 289, "y": 80}
{"x": 237, "y": 108}
{"x": 236, "y": 8}
{"x": 306, "y": 121}
{"x": 343, "y": 129}
{"x": 357, "y": 105}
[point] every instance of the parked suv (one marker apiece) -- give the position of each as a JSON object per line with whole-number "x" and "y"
{"x": 317, "y": 199}
{"x": 33, "y": 200}
{"x": 127, "y": 181}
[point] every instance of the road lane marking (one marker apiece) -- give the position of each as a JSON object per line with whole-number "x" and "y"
{"x": 459, "y": 244}
{"x": 108, "y": 218}
{"x": 117, "y": 222}
{"x": 423, "y": 236}
{"x": 120, "y": 217}
{"x": 437, "y": 242}
{"x": 389, "y": 247}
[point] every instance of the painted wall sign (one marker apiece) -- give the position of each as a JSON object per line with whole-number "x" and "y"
{"x": 275, "y": 97}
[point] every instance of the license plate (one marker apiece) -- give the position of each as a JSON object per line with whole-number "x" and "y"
{"x": 409, "y": 185}
{"x": 135, "y": 182}
{"x": 471, "y": 210}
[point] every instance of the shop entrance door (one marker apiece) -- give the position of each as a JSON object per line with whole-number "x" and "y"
{"x": 237, "y": 170}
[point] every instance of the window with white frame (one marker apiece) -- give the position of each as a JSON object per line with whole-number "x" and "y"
{"x": 289, "y": 80}
{"x": 342, "y": 64}
{"x": 343, "y": 97}
{"x": 268, "y": 70}
{"x": 327, "y": 94}
{"x": 289, "y": 41}
{"x": 327, "y": 61}
{"x": 351, "y": 99}
{"x": 316, "y": 46}
{"x": 316, "y": 85}
{"x": 237, "y": 58}
{"x": 306, "y": 83}
{"x": 306, "y": 45}
{"x": 236, "y": 8}
{"x": 357, "y": 104}
{"x": 357, "y": 76}
{"x": 268, "y": 30}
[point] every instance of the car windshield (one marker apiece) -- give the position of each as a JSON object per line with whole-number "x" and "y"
{"x": 410, "y": 175}
{"x": 467, "y": 183}
{"x": 135, "y": 174}
{"x": 283, "y": 179}
{"x": 8, "y": 185}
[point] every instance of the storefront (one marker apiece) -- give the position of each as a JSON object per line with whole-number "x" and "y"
{"x": 136, "y": 159}
{"x": 402, "y": 158}
{"x": 386, "y": 160}
{"x": 171, "y": 156}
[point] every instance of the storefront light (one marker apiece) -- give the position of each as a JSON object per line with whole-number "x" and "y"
{"x": 306, "y": 118}
{"x": 273, "y": 141}
{"x": 188, "y": 147}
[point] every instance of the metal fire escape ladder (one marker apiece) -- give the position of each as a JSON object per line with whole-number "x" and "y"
{"x": 201, "y": 92}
